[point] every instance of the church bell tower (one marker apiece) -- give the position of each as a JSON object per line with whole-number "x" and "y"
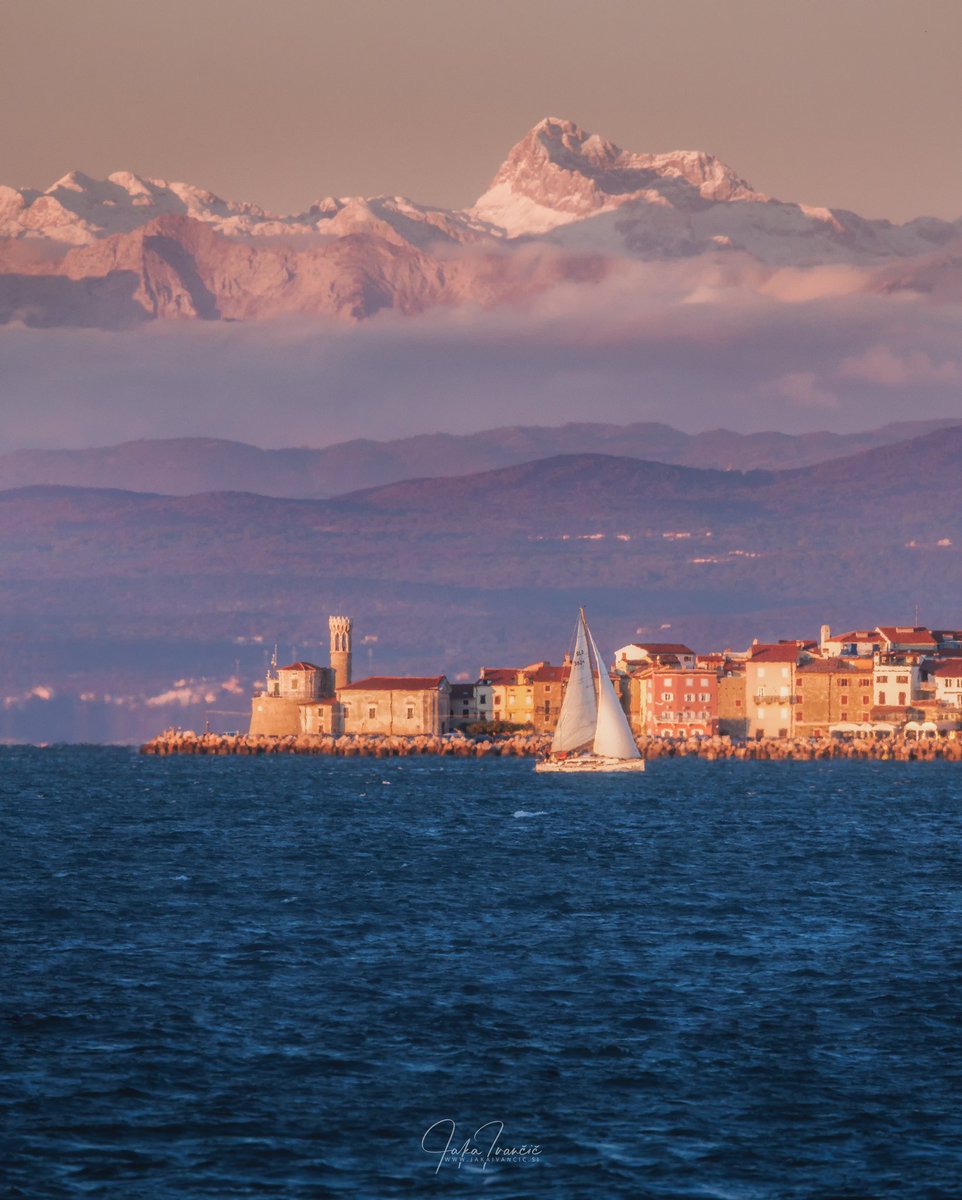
{"x": 341, "y": 649}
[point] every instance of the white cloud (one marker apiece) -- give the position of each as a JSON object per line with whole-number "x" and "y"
{"x": 803, "y": 388}
{"x": 634, "y": 347}
{"x": 880, "y": 364}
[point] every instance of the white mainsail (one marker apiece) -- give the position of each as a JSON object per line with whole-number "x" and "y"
{"x": 613, "y": 738}
{"x": 579, "y": 709}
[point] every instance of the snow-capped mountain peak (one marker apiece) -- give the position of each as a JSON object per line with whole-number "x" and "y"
{"x": 560, "y": 173}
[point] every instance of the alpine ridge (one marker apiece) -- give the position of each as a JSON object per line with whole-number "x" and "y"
{"x": 565, "y": 207}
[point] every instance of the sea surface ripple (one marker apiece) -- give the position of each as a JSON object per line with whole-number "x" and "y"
{"x": 270, "y": 977}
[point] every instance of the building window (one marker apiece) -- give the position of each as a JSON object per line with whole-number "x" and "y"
{"x": 843, "y": 683}
{"x": 866, "y": 700}
{"x": 901, "y": 678}
{"x": 667, "y": 697}
{"x": 689, "y": 697}
{"x": 371, "y": 711}
{"x": 410, "y": 712}
{"x": 865, "y": 683}
{"x": 881, "y": 697}
{"x": 761, "y": 714}
{"x": 666, "y": 683}
{"x": 799, "y": 715}
{"x": 785, "y": 672}
{"x": 497, "y": 701}
{"x": 761, "y": 672}
{"x": 295, "y": 683}
{"x": 738, "y": 703}
{"x": 883, "y": 679}
{"x": 901, "y": 698}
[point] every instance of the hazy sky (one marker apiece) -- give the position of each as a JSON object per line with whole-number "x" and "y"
{"x": 851, "y": 103}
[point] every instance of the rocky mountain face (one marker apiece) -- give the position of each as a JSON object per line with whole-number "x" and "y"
{"x": 133, "y": 611}
{"x": 565, "y": 207}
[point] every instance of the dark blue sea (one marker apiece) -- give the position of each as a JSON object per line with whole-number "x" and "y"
{"x": 296, "y": 978}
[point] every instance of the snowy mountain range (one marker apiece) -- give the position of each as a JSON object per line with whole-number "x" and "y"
{"x": 565, "y": 207}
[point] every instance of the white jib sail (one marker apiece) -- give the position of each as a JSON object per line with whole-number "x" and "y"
{"x": 579, "y": 709}
{"x": 613, "y": 737}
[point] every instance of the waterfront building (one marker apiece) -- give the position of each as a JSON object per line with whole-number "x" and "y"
{"x": 906, "y": 639}
{"x": 770, "y": 688}
{"x": 279, "y": 709}
{"x": 510, "y": 701}
{"x": 529, "y": 696}
{"x": 856, "y": 643}
{"x": 664, "y": 654}
{"x": 634, "y": 696}
{"x": 681, "y": 703}
{"x": 829, "y": 691}
{"x": 732, "y": 702}
{"x": 948, "y": 683}
{"x": 896, "y": 680}
{"x": 396, "y": 704}
{"x": 464, "y": 705}
{"x": 276, "y": 711}
{"x": 548, "y": 686}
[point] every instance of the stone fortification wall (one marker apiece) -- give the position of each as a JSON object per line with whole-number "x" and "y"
{"x": 274, "y": 716}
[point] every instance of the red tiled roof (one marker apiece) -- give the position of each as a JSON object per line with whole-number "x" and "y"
{"x": 948, "y": 670}
{"x": 907, "y": 635}
{"x": 662, "y": 647}
{"x": 300, "y": 666}
{"x": 548, "y": 674}
{"x": 677, "y": 669}
{"x": 395, "y": 683}
{"x": 828, "y": 666}
{"x": 855, "y": 635}
{"x": 786, "y": 653}
{"x": 500, "y": 675}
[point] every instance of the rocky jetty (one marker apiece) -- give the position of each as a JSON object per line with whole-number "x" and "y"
{"x": 716, "y": 749}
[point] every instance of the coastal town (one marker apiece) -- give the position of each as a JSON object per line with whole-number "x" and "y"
{"x": 886, "y": 681}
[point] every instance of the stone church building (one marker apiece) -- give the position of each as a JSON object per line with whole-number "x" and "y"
{"x": 303, "y": 698}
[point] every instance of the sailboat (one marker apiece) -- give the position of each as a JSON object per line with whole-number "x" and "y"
{"x": 593, "y": 733}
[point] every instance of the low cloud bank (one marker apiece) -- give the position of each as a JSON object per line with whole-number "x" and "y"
{"x": 752, "y": 350}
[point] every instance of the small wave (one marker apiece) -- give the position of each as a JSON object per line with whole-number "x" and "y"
{"x": 542, "y": 812}
{"x": 181, "y": 878}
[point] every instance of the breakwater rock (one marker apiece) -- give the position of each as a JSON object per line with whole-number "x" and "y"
{"x": 349, "y": 745}
{"x": 530, "y": 745}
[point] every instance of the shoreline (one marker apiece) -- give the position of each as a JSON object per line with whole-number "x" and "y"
{"x": 714, "y": 749}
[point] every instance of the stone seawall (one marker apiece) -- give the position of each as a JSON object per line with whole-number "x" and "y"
{"x": 717, "y": 749}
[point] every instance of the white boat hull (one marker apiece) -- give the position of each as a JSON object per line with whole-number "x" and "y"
{"x": 592, "y": 763}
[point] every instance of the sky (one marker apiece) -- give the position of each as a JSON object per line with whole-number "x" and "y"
{"x": 848, "y": 103}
